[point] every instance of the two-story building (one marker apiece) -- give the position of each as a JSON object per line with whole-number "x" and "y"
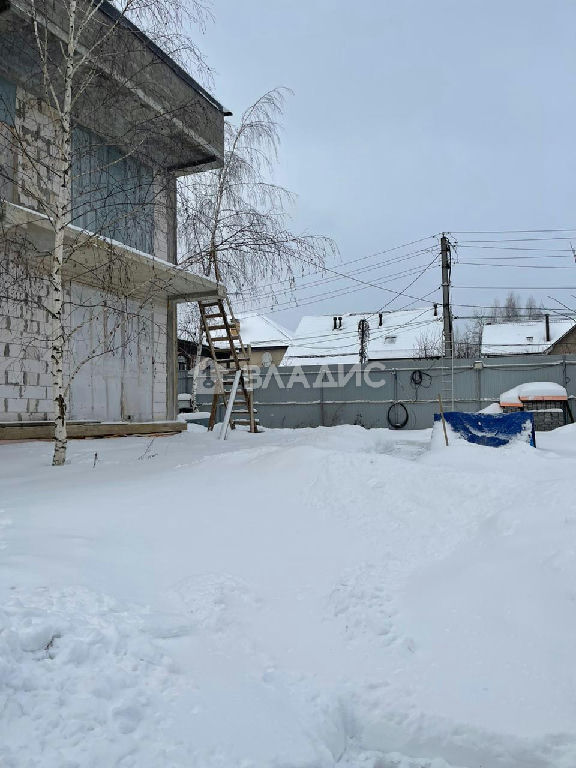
{"x": 140, "y": 121}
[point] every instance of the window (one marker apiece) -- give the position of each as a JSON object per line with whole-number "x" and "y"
{"x": 7, "y": 101}
{"x": 530, "y": 338}
{"x": 112, "y": 195}
{"x": 390, "y": 339}
{"x": 7, "y": 148}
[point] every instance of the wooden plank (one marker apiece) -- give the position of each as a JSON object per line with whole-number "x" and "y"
{"x": 224, "y": 427}
{"x": 21, "y": 431}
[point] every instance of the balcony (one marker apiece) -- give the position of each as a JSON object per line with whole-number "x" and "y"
{"x": 101, "y": 262}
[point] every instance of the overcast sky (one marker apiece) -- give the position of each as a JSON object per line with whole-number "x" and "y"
{"x": 410, "y": 117}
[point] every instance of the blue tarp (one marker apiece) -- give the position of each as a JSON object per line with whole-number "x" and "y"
{"x": 494, "y": 429}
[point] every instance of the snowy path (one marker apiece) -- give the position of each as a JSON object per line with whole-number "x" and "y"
{"x": 328, "y": 597}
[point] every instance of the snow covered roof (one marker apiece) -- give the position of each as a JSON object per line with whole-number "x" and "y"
{"x": 522, "y": 338}
{"x": 392, "y": 335}
{"x": 260, "y": 331}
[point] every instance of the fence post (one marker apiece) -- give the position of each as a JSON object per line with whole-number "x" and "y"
{"x": 479, "y": 373}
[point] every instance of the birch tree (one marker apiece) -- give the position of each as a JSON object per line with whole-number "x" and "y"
{"x": 235, "y": 222}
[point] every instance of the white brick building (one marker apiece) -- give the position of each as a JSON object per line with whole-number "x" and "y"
{"x": 122, "y": 282}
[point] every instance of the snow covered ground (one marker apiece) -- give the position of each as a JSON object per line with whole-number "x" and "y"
{"x": 296, "y": 599}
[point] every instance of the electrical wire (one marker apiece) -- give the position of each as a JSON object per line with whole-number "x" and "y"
{"x": 291, "y": 290}
{"x": 509, "y": 231}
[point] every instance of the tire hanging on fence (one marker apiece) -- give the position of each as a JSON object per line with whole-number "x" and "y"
{"x": 398, "y": 423}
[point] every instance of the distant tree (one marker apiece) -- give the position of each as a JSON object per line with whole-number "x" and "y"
{"x": 479, "y": 320}
{"x": 533, "y": 311}
{"x": 512, "y": 309}
{"x": 467, "y": 341}
{"x": 496, "y": 313}
{"x": 429, "y": 344}
{"x": 234, "y": 221}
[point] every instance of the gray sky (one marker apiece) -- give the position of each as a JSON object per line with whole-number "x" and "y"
{"x": 410, "y": 117}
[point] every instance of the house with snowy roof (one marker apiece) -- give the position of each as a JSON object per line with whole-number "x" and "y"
{"x": 547, "y": 336}
{"x": 267, "y": 340}
{"x": 333, "y": 339}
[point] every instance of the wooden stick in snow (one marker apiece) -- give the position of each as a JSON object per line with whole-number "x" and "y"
{"x": 443, "y": 419}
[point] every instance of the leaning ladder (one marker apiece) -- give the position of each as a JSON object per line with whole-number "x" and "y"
{"x": 238, "y": 401}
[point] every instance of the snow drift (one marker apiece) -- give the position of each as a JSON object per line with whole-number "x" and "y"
{"x": 296, "y": 599}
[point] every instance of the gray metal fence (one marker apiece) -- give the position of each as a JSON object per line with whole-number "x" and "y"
{"x": 392, "y": 393}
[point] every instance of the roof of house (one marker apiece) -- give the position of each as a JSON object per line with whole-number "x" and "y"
{"x": 522, "y": 338}
{"x": 154, "y": 107}
{"x": 392, "y": 335}
{"x": 114, "y": 13}
{"x": 260, "y": 331}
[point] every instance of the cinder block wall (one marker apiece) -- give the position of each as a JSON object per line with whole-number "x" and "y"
{"x": 133, "y": 377}
{"x": 25, "y": 381}
{"x": 25, "y": 366}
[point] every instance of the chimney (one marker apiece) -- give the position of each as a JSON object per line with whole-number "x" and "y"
{"x": 547, "y": 324}
{"x": 435, "y": 310}
{"x": 380, "y": 319}
{"x": 340, "y": 322}
{"x": 335, "y": 323}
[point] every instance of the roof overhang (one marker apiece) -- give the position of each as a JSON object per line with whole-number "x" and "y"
{"x": 142, "y": 101}
{"x": 103, "y": 263}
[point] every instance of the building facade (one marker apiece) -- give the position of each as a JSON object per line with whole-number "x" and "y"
{"x": 140, "y": 122}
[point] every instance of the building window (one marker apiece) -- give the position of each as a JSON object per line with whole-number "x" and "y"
{"x": 390, "y": 339}
{"x": 530, "y": 339}
{"x": 7, "y": 101}
{"x": 112, "y": 195}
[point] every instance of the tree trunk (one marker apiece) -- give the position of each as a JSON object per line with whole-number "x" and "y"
{"x": 64, "y": 142}
{"x": 60, "y": 431}
{"x": 196, "y": 369}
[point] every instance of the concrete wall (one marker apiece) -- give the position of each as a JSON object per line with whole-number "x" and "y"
{"x": 128, "y": 382}
{"x": 311, "y": 397}
{"x": 25, "y": 380}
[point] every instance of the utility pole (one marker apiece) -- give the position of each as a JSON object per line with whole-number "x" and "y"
{"x": 446, "y": 310}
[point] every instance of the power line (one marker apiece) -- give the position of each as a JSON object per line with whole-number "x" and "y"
{"x": 516, "y": 266}
{"x": 370, "y": 285}
{"x": 350, "y": 275}
{"x": 515, "y": 248}
{"x": 510, "y": 231}
{"x": 397, "y": 294}
{"x": 517, "y": 288}
{"x": 519, "y": 240}
{"x": 258, "y": 297}
{"x": 408, "y": 295}
{"x": 320, "y": 270}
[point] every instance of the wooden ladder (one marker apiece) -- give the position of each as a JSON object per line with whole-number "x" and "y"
{"x": 219, "y": 328}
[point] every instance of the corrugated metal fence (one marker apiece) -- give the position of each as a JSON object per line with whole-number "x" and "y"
{"x": 401, "y": 393}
